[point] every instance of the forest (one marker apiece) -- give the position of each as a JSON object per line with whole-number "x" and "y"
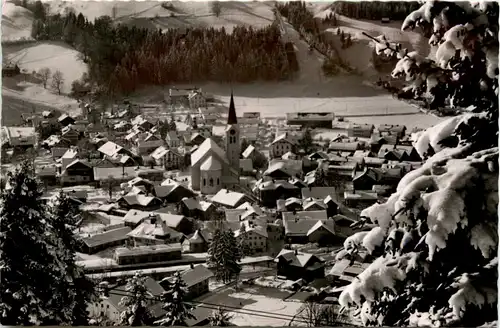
{"x": 375, "y": 10}
{"x": 122, "y": 58}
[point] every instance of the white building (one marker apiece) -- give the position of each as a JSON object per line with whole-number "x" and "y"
{"x": 281, "y": 145}
{"x": 19, "y": 136}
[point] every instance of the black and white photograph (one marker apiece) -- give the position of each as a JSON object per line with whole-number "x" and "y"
{"x": 249, "y": 163}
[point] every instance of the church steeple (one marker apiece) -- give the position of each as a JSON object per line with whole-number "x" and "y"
{"x": 231, "y": 117}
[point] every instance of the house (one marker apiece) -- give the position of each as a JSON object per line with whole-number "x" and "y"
{"x": 313, "y": 204}
{"x": 9, "y": 70}
{"x": 70, "y": 134}
{"x": 196, "y": 279}
{"x": 296, "y": 265}
{"x": 317, "y": 156}
{"x": 173, "y": 192}
{"x": 109, "y": 305}
{"x": 390, "y": 129}
{"x": 374, "y": 162}
{"x": 246, "y": 166}
{"x": 65, "y": 120}
{"x": 147, "y": 143}
{"x": 303, "y": 231}
{"x": 196, "y": 100}
{"x": 154, "y": 231}
{"x": 281, "y": 145}
{"x": 195, "y": 243}
{"x": 271, "y": 190}
{"x": 47, "y": 174}
{"x": 360, "y": 199}
{"x": 111, "y": 149}
{"x": 56, "y": 142}
{"x": 77, "y": 172}
{"x": 102, "y": 241}
{"x": 349, "y": 147}
{"x": 284, "y": 169}
{"x": 22, "y": 137}
{"x": 213, "y": 168}
{"x": 291, "y": 204}
{"x": 345, "y": 271}
{"x": 310, "y": 120}
{"x": 197, "y": 209}
{"x": 177, "y": 97}
{"x": 142, "y": 123}
{"x": 172, "y": 139}
{"x": 139, "y": 201}
{"x": 360, "y": 130}
{"x": 399, "y": 153}
{"x": 179, "y": 223}
{"x": 168, "y": 158}
{"x": 147, "y": 254}
{"x": 254, "y": 236}
{"x": 229, "y": 199}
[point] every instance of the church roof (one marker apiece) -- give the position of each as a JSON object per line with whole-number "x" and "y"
{"x": 204, "y": 148}
{"x": 211, "y": 164}
{"x": 231, "y": 116}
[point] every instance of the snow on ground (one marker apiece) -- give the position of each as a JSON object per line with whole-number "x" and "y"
{"x": 54, "y": 55}
{"x": 16, "y": 22}
{"x": 32, "y": 99}
{"x": 150, "y": 14}
{"x": 283, "y": 311}
{"x": 344, "y": 99}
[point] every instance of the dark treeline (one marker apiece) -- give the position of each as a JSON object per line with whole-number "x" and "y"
{"x": 375, "y": 10}
{"x": 122, "y": 58}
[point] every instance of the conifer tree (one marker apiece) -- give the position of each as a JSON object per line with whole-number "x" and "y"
{"x": 30, "y": 267}
{"x": 223, "y": 255}
{"x": 136, "y": 303}
{"x": 75, "y": 289}
{"x": 177, "y": 310}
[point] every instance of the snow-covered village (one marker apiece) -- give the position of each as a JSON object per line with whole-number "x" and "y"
{"x": 231, "y": 163}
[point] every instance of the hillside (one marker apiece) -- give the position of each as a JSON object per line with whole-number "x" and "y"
{"x": 151, "y": 14}
{"x": 359, "y": 55}
{"x": 16, "y": 22}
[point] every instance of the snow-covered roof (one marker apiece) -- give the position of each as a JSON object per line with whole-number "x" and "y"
{"x": 226, "y": 197}
{"x": 204, "y": 148}
{"x": 320, "y": 224}
{"x": 309, "y": 202}
{"x": 110, "y": 149}
{"x": 211, "y": 164}
{"x": 248, "y": 151}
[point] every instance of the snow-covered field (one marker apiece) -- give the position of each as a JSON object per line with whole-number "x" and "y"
{"x": 55, "y": 56}
{"x": 16, "y": 22}
{"x": 282, "y": 311}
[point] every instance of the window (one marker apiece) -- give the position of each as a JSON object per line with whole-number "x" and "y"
{"x": 218, "y": 181}
{"x": 211, "y": 182}
{"x": 204, "y": 182}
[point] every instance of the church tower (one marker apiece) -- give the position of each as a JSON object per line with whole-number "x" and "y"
{"x": 233, "y": 137}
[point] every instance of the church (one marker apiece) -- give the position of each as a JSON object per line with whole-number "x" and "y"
{"x": 213, "y": 168}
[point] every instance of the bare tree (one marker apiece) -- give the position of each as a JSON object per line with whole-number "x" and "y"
{"x": 216, "y": 8}
{"x": 310, "y": 313}
{"x": 57, "y": 81}
{"x": 44, "y": 74}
